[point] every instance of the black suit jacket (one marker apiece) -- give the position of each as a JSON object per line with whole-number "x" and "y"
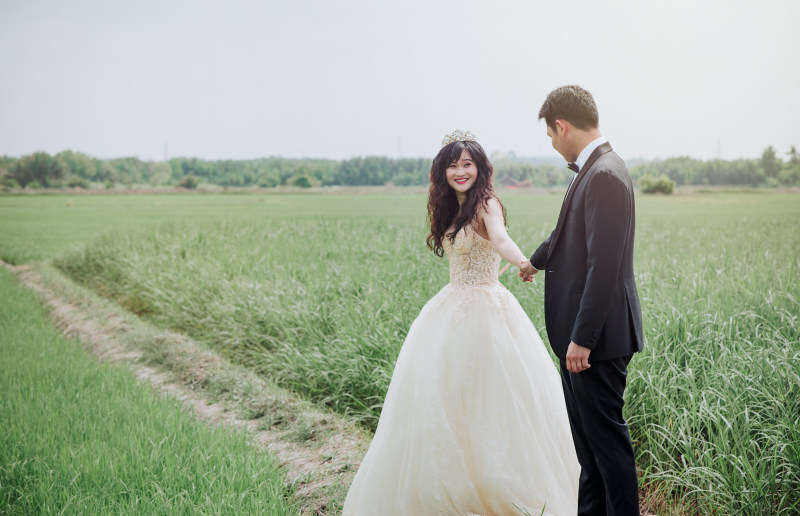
{"x": 590, "y": 294}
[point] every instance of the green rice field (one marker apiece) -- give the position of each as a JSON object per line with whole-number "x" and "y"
{"x": 79, "y": 437}
{"x": 318, "y": 291}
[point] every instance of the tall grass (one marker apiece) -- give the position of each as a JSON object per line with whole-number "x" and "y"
{"x": 714, "y": 401}
{"x": 323, "y": 303}
{"x": 79, "y": 437}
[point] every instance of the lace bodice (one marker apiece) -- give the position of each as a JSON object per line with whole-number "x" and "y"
{"x": 473, "y": 259}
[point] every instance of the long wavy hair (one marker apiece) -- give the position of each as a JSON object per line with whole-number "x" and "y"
{"x": 443, "y": 209}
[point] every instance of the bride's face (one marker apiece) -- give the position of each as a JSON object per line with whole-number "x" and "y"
{"x": 461, "y": 174}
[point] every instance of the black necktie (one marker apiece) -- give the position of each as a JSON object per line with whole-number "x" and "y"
{"x": 573, "y": 167}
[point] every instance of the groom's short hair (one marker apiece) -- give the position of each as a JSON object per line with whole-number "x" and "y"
{"x": 573, "y": 104}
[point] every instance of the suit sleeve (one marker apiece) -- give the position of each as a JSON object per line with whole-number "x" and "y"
{"x": 607, "y": 212}
{"x": 539, "y": 257}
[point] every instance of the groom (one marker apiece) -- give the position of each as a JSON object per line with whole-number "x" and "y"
{"x": 592, "y": 312}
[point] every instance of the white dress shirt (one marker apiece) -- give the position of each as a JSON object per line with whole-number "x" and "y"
{"x": 584, "y": 155}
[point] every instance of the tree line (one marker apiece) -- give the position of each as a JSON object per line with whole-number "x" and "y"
{"x": 770, "y": 170}
{"x": 75, "y": 169}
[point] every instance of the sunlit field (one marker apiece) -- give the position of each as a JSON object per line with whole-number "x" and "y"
{"x": 318, "y": 291}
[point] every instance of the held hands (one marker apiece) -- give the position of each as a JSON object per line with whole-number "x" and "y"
{"x": 577, "y": 358}
{"x": 526, "y": 271}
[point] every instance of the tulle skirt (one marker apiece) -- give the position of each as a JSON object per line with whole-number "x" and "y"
{"x": 474, "y": 421}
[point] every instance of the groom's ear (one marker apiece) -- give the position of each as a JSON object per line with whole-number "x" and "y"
{"x": 562, "y": 127}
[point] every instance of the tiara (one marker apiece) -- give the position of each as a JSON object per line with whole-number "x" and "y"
{"x": 458, "y": 136}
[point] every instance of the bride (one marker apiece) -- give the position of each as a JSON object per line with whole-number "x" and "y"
{"x": 474, "y": 421}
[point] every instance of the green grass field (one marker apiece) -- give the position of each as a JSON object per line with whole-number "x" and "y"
{"x": 42, "y": 226}
{"x": 318, "y": 291}
{"x": 79, "y": 437}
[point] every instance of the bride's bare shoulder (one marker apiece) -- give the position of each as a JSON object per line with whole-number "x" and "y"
{"x": 491, "y": 207}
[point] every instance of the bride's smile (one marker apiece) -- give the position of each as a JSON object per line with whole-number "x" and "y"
{"x": 461, "y": 174}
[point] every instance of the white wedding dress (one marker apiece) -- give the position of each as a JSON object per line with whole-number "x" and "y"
{"x": 474, "y": 420}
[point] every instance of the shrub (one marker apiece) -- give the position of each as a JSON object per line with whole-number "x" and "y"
{"x": 302, "y": 182}
{"x": 78, "y": 182}
{"x": 661, "y": 184}
{"x": 188, "y": 182}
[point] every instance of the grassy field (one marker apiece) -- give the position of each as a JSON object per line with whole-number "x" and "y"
{"x": 318, "y": 292}
{"x": 80, "y": 437}
{"x": 42, "y": 226}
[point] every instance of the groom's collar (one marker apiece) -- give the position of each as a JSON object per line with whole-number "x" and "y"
{"x": 587, "y": 151}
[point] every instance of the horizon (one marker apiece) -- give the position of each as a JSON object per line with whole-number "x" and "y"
{"x": 514, "y": 157}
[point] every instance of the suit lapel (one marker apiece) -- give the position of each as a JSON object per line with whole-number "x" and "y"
{"x": 599, "y": 151}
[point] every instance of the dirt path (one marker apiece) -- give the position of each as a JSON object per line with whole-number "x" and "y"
{"x": 319, "y": 451}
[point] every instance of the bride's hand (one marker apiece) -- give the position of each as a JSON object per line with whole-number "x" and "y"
{"x": 526, "y": 271}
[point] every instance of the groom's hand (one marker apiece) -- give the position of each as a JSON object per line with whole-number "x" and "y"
{"x": 577, "y": 358}
{"x": 527, "y": 271}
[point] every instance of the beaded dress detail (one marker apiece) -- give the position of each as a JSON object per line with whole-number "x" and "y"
{"x": 473, "y": 260}
{"x": 474, "y": 420}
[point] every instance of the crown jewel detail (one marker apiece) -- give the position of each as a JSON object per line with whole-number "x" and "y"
{"x": 458, "y": 136}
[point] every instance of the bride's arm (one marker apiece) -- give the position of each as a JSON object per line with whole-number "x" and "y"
{"x": 495, "y": 226}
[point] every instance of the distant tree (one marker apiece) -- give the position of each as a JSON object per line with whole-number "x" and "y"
{"x": 6, "y": 181}
{"x": 770, "y": 163}
{"x": 79, "y": 164}
{"x": 5, "y": 165}
{"x": 39, "y": 169}
{"x": 129, "y": 170}
{"x": 794, "y": 156}
{"x": 161, "y": 173}
{"x": 6, "y": 162}
{"x": 790, "y": 172}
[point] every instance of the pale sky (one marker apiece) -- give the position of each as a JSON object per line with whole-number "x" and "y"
{"x": 336, "y": 79}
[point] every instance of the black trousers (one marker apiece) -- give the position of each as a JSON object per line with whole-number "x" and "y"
{"x": 608, "y": 482}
